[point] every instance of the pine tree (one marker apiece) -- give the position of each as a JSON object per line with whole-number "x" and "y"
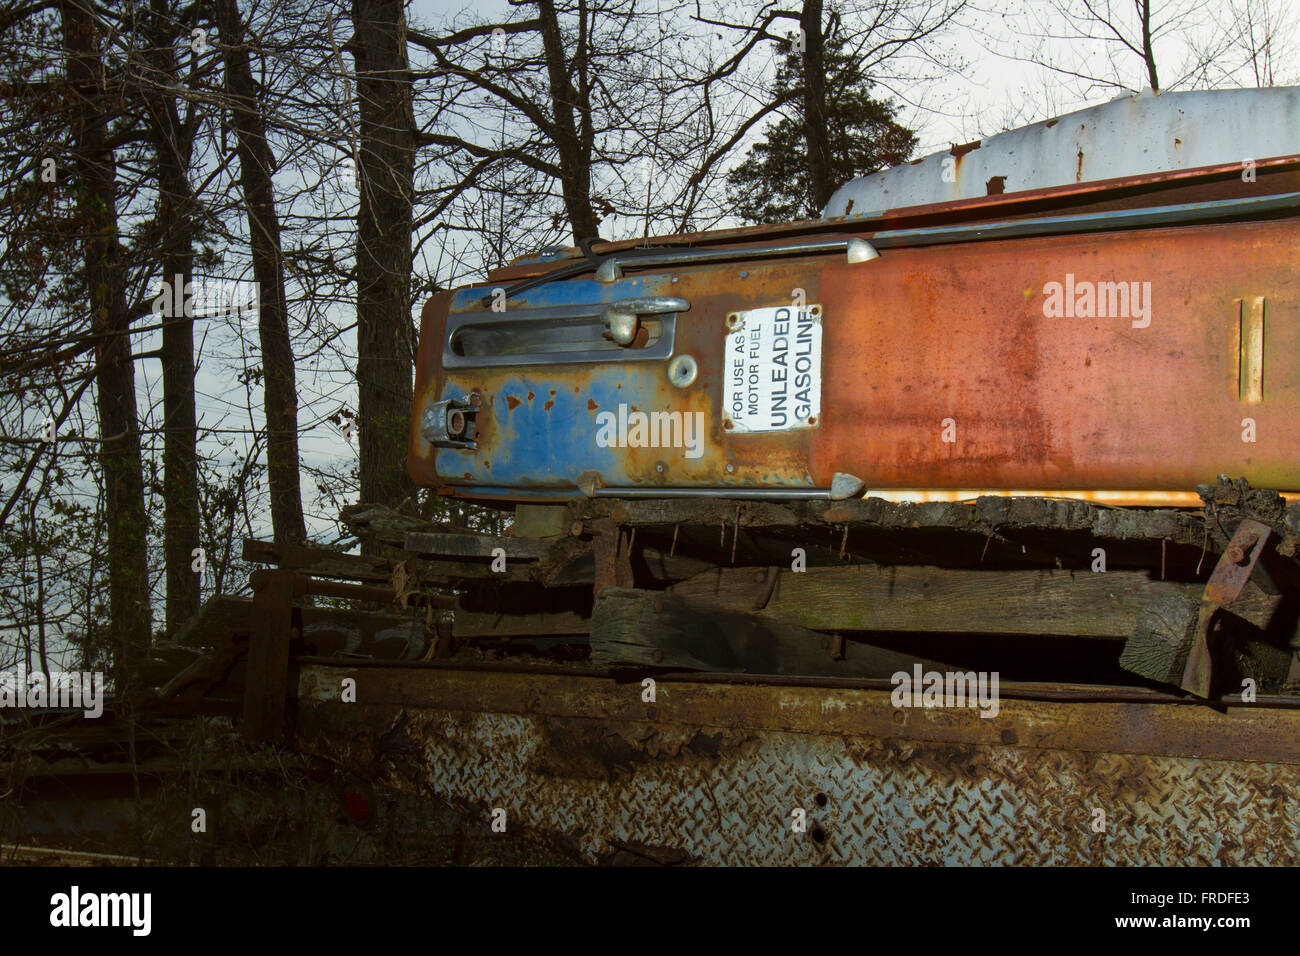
{"x": 773, "y": 183}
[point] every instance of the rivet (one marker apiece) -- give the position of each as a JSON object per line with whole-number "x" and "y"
{"x": 683, "y": 370}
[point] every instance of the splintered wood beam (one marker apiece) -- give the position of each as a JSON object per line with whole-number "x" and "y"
{"x": 324, "y": 562}
{"x": 327, "y": 563}
{"x": 912, "y": 598}
{"x": 475, "y": 546}
{"x": 560, "y": 562}
{"x": 638, "y": 628}
{"x": 392, "y": 635}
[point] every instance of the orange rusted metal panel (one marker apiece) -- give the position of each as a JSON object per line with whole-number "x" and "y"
{"x": 1122, "y": 356}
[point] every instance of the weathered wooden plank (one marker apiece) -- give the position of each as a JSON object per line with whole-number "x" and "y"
{"x": 1158, "y": 647}
{"x": 667, "y": 512}
{"x": 641, "y": 628}
{"x": 327, "y": 563}
{"x": 543, "y": 521}
{"x": 908, "y": 598}
{"x": 322, "y": 562}
{"x": 475, "y": 546}
{"x": 482, "y": 624}
{"x": 219, "y": 620}
{"x": 879, "y": 514}
{"x": 380, "y": 523}
{"x": 268, "y": 658}
{"x": 328, "y": 631}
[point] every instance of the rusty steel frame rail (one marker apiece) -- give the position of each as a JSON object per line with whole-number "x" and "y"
{"x": 712, "y": 772}
{"x": 1225, "y": 584}
{"x": 1063, "y": 692}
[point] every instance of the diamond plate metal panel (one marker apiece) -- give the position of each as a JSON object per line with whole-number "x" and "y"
{"x": 720, "y": 796}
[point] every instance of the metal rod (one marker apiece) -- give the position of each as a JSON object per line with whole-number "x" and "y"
{"x": 735, "y": 493}
{"x": 1088, "y": 222}
{"x": 611, "y": 268}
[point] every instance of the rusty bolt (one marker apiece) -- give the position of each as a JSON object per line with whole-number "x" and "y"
{"x": 1239, "y": 553}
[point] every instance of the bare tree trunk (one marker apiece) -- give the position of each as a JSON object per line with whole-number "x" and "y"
{"x": 386, "y": 167}
{"x": 256, "y": 168}
{"x": 172, "y": 142}
{"x": 124, "y": 511}
{"x": 572, "y": 143}
{"x": 816, "y": 135}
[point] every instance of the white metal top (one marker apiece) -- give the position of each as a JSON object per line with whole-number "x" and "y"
{"x": 1129, "y": 136}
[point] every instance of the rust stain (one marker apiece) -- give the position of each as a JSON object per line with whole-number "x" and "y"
{"x": 964, "y": 148}
{"x": 1253, "y": 733}
{"x": 1078, "y": 173}
{"x": 548, "y": 406}
{"x": 996, "y": 186}
{"x": 591, "y": 405}
{"x": 1051, "y": 123}
{"x": 513, "y": 402}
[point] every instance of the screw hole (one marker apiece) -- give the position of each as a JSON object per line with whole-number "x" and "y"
{"x": 820, "y": 800}
{"x": 818, "y": 835}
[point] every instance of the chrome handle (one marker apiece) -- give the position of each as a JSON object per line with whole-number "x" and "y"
{"x": 622, "y": 316}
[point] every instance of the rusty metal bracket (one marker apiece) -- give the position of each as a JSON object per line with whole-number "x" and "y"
{"x": 1224, "y": 587}
{"x": 613, "y": 552}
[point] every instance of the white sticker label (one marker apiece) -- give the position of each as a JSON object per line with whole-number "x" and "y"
{"x": 774, "y": 369}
